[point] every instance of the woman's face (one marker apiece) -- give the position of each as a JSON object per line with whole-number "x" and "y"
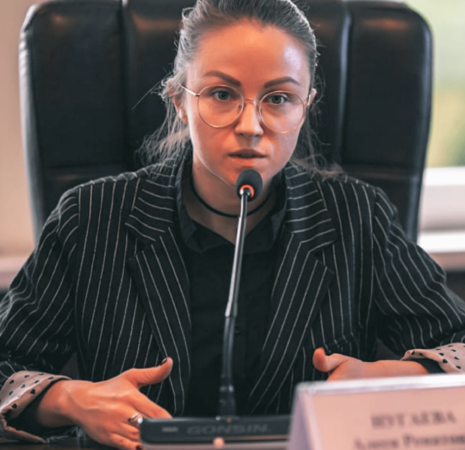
{"x": 255, "y": 60}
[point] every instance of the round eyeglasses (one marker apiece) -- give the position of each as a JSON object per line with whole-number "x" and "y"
{"x": 220, "y": 106}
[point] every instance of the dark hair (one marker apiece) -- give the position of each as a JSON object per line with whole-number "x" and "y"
{"x": 172, "y": 139}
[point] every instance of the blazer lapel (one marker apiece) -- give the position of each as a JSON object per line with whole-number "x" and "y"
{"x": 161, "y": 279}
{"x": 301, "y": 285}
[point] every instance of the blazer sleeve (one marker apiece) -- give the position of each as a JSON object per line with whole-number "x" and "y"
{"x": 418, "y": 313}
{"x": 36, "y": 317}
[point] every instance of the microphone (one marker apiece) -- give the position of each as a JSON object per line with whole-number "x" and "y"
{"x": 249, "y": 182}
{"x": 254, "y": 432}
{"x": 248, "y": 187}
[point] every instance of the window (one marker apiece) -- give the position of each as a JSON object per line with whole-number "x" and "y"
{"x": 442, "y": 217}
{"x": 447, "y": 21}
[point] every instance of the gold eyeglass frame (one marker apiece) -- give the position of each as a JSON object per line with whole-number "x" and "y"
{"x": 305, "y": 106}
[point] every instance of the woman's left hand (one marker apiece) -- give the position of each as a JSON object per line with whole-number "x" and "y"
{"x": 341, "y": 367}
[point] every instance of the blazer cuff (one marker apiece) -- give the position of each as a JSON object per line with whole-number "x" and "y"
{"x": 19, "y": 391}
{"x": 450, "y": 357}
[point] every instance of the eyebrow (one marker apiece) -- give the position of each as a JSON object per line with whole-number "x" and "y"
{"x": 282, "y": 80}
{"x": 216, "y": 73}
{"x": 233, "y": 81}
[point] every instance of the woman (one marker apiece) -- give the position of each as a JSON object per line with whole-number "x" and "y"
{"x": 121, "y": 270}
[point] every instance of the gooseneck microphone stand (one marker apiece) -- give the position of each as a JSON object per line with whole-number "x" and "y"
{"x": 227, "y": 398}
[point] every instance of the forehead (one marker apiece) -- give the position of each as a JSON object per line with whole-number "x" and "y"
{"x": 251, "y": 53}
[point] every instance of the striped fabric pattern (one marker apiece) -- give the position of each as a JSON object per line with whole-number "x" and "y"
{"x": 108, "y": 281}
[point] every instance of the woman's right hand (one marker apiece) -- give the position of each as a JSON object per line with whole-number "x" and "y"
{"x": 102, "y": 409}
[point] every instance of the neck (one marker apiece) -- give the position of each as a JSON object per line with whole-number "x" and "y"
{"x": 222, "y": 213}
{"x": 224, "y": 226}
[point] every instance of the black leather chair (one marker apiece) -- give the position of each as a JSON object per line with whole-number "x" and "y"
{"x": 85, "y": 64}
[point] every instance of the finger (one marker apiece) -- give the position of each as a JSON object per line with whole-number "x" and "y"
{"x": 327, "y": 363}
{"x": 130, "y": 432}
{"x": 126, "y": 438}
{"x": 319, "y": 360}
{"x": 150, "y": 375}
{"x": 123, "y": 443}
{"x": 148, "y": 408}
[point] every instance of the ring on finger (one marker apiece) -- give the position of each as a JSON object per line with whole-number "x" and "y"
{"x": 136, "y": 419}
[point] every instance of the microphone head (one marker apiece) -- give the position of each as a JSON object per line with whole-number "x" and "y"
{"x": 251, "y": 180}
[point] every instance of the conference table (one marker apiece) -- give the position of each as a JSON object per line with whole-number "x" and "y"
{"x": 275, "y": 441}
{"x": 64, "y": 444}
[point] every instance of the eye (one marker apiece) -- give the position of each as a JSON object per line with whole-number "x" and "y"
{"x": 277, "y": 98}
{"x": 221, "y": 94}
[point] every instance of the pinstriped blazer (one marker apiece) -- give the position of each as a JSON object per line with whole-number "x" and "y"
{"x": 108, "y": 281}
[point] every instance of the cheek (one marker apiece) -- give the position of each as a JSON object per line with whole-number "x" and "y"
{"x": 287, "y": 144}
{"x": 196, "y": 131}
{"x": 193, "y": 120}
{"x": 203, "y": 139}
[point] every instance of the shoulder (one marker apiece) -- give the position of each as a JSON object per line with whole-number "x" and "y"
{"x": 126, "y": 184}
{"x": 345, "y": 200}
{"x": 338, "y": 188}
{"x": 104, "y": 199}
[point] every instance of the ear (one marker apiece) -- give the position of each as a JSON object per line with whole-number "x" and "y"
{"x": 311, "y": 97}
{"x": 181, "y": 112}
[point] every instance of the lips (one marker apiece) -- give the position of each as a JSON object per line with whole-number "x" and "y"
{"x": 247, "y": 154}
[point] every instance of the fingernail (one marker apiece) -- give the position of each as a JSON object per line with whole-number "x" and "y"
{"x": 163, "y": 362}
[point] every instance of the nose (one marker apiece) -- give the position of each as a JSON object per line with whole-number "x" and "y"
{"x": 249, "y": 122}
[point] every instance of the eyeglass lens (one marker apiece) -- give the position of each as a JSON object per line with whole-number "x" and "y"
{"x": 280, "y": 111}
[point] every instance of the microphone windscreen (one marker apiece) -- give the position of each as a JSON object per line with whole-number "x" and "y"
{"x": 252, "y": 179}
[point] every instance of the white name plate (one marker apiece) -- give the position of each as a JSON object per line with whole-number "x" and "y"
{"x": 411, "y": 413}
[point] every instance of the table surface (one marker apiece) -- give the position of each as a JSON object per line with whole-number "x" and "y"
{"x": 65, "y": 444}
{"x": 86, "y": 444}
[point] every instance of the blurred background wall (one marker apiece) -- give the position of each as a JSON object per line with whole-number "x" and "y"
{"x": 16, "y": 239}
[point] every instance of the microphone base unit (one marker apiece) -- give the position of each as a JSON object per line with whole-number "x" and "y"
{"x": 228, "y": 433}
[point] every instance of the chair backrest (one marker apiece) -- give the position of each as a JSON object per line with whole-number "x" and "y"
{"x": 86, "y": 64}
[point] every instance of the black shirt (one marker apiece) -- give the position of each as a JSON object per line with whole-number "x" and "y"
{"x": 208, "y": 258}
